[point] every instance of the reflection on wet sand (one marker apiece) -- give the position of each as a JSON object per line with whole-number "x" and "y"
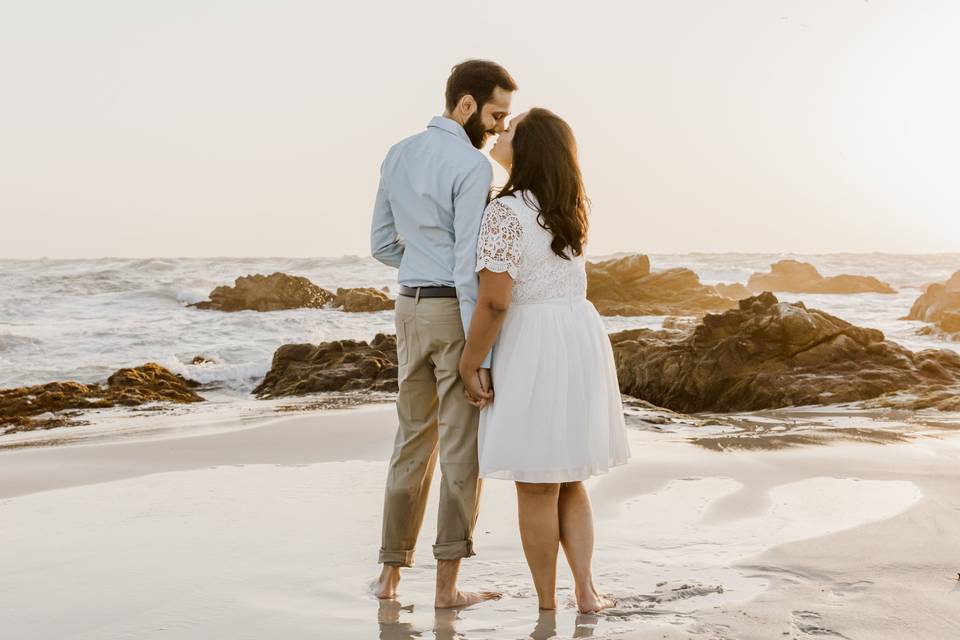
{"x": 775, "y": 429}
{"x": 445, "y": 623}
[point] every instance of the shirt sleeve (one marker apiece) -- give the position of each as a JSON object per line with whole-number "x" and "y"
{"x": 499, "y": 246}
{"x": 385, "y": 243}
{"x": 470, "y": 198}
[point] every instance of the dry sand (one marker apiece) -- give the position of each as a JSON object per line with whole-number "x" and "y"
{"x": 271, "y": 529}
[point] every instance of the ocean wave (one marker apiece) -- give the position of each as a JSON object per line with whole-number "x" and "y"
{"x": 240, "y": 377}
{"x": 163, "y": 294}
{"x": 154, "y": 264}
{"x": 11, "y": 341}
{"x": 189, "y": 296}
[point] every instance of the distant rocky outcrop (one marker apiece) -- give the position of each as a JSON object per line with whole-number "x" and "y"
{"x": 734, "y": 291}
{"x": 362, "y": 299}
{"x": 39, "y": 406}
{"x": 279, "y": 291}
{"x": 341, "y": 365}
{"x": 801, "y": 277}
{"x": 939, "y": 304}
{"x": 768, "y": 354}
{"x": 626, "y": 287}
{"x": 275, "y": 292}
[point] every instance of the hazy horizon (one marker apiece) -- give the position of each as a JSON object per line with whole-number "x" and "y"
{"x": 589, "y": 255}
{"x": 257, "y": 130}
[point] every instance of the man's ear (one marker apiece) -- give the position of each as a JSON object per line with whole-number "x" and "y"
{"x": 466, "y": 106}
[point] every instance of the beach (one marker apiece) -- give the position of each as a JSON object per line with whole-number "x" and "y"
{"x": 271, "y": 528}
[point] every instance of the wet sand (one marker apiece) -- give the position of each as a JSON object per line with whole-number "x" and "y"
{"x": 271, "y": 529}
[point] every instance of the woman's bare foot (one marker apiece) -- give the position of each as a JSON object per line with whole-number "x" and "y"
{"x": 593, "y": 602}
{"x": 465, "y": 599}
{"x": 386, "y": 585}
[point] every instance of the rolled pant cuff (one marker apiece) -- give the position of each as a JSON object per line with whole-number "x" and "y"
{"x": 396, "y": 558}
{"x": 453, "y": 550}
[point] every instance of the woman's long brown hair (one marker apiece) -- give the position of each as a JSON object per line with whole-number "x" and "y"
{"x": 545, "y": 163}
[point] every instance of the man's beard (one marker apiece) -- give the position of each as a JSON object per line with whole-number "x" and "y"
{"x": 475, "y": 130}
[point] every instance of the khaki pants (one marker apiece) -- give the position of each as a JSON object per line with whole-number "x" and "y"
{"x": 435, "y": 418}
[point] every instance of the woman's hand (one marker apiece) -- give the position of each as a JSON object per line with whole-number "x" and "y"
{"x": 477, "y": 385}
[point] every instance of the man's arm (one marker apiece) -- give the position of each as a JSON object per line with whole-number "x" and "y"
{"x": 469, "y": 202}
{"x": 385, "y": 244}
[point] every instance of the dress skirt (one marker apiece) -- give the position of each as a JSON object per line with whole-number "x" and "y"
{"x": 556, "y": 414}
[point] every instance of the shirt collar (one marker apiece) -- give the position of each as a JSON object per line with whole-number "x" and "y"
{"x": 450, "y": 126}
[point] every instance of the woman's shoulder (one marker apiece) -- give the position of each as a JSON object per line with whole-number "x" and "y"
{"x": 520, "y": 203}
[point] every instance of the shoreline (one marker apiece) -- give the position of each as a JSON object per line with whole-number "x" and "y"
{"x": 276, "y": 525}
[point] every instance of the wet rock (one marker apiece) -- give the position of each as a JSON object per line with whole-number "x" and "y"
{"x": 341, "y": 365}
{"x": 940, "y": 305}
{"x": 198, "y": 360}
{"x": 363, "y": 299}
{"x": 801, "y": 277}
{"x": 626, "y": 287}
{"x": 950, "y": 321}
{"x": 275, "y": 292}
{"x": 767, "y": 354}
{"x": 40, "y": 406}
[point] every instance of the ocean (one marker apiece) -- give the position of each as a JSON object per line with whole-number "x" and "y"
{"x": 84, "y": 319}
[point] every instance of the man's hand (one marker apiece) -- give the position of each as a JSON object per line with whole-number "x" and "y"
{"x": 486, "y": 381}
{"x": 476, "y": 385}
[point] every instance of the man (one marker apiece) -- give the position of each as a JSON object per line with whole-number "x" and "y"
{"x": 433, "y": 190}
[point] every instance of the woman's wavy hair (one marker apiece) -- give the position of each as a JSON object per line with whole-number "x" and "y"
{"x": 545, "y": 163}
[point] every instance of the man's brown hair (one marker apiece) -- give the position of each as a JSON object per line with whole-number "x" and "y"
{"x": 477, "y": 78}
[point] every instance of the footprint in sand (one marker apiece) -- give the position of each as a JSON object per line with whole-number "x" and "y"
{"x": 809, "y": 624}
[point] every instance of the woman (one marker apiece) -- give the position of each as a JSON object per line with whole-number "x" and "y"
{"x": 554, "y": 416}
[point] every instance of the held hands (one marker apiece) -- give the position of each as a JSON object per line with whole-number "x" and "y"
{"x": 477, "y": 385}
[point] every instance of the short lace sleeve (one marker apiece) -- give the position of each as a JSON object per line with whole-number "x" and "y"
{"x": 500, "y": 244}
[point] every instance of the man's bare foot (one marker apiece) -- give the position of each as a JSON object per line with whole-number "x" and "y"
{"x": 386, "y": 585}
{"x": 593, "y": 602}
{"x": 465, "y": 599}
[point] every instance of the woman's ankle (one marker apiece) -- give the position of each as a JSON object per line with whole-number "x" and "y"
{"x": 585, "y": 589}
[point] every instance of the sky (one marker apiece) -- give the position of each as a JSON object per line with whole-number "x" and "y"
{"x": 238, "y": 128}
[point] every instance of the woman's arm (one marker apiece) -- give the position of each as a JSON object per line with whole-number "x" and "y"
{"x": 493, "y": 300}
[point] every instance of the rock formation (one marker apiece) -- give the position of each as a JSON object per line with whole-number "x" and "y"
{"x": 36, "y": 407}
{"x": 341, "y": 365}
{"x": 768, "y": 354}
{"x": 939, "y": 304}
{"x": 735, "y": 291}
{"x": 267, "y": 293}
{"x": 362, "y": 299}
{"x": 801, "y": 277}
{"x": 280, "y": 291}
{"x": 626, "y": 287}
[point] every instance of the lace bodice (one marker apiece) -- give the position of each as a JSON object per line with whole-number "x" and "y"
{"x": 512, "y": 240}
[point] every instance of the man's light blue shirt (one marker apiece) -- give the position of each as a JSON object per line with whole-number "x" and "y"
{"x": 426, "y": 219}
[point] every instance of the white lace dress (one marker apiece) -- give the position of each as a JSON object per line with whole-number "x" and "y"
{"x": 557, "y": 414}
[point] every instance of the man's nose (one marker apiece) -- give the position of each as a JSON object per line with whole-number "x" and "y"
{"x": 498, "y": 129}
